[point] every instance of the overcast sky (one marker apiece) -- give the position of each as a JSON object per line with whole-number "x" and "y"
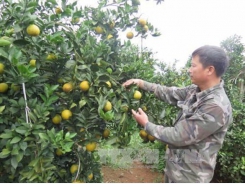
{"x": 188, "y": 24}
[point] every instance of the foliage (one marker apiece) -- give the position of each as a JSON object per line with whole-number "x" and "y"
{"x": 231, "y": 165}
{"x": 72, "y": 46}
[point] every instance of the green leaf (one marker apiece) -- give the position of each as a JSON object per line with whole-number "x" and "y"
{"x": 15, "y": 151}
{"x": 82, "y": 103}
{"x": 23, "y": 145}
{"x": 6, "y": 135}
{"x": 21, "y": 130}
{"x": 14, "y": 162}
{"x": 43, "y": 136}
{"x": 2, "y": 108}
{"x": 5, "y": 152}
{"x": 15, "y": 140}
{"x": 3, "y": 53}
{"x": 19, "y": 156}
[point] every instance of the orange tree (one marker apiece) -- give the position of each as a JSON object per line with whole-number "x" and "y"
{"x": 61, "y": 70}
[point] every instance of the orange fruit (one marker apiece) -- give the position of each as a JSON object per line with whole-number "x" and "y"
{"x": 58, "y": 10}
{"x": 99, "y": 30}
{"x": 1, "y": 68}
{"x": 66, "y": 114}
{"x": 142, "y": 22}
{"x": 58, "y": 152}
{"x": 73, "y": 168}
{"x": 67, "y": 87}
{"x": 84, "y": 86}
{"x": 143, "y": 134}
{"x": 33, "y": 30}
{"x": 90, "y": 176}
{"x": 33, "y": 62}
{"x": 151, "y": 138}
{"x": 108, "y": 106}
{"x": 137, "y": 95}
{"x": 3, "y": 87}
{"x": 91, "y": 146}
{"x": 106, "y": 133}
{"x": 56, "y": 119}
{"x": 130, "y": 35}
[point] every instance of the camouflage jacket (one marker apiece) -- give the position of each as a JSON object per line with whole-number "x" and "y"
{"x": 198, "y": 132}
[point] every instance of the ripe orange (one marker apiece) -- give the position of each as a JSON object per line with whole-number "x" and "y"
{"x": 108, "y": 106}
{"x": 3, "y": 87}
{"x": 142, "y": 22}
{"x": 99, "y": 30}
{"x": 106, "y": 133}
{"x": 91, "y": 146}
{"x": 130, "y": 35}
{"x": 1, "y": 68}
{"x": 56, "y": 119}
{"x": 67, "y": 87}
{"x": 84, "y": 85}
{"x": 33, "y": 30}
{"x": 66, "y": 114}
{"x": 137, "y": 95}
{"x": 73, "y": 168}
{"x": 151, "y": 138}
{"x": 143, "y": 134}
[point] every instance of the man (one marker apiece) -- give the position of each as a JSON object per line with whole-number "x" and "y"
{"x": 200, "y": 128}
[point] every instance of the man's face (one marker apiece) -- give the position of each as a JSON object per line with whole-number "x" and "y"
{"x": 198, "y": 73}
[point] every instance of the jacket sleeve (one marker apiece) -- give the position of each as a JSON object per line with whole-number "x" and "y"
{"x": 192, "y": 128}
{"x": 170, "y": 95}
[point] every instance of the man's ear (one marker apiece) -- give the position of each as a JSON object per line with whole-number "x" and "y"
{"x": 211, "y": 70}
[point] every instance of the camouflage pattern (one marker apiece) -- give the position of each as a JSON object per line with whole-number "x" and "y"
{"x": 198, "y": 132}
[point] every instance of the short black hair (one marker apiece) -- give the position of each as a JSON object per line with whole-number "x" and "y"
{"x": 213, "y": 56}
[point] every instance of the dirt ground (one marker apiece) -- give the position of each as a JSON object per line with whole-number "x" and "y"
{"x": 137, "y": 173}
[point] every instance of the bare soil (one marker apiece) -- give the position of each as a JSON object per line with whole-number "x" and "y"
{"x": 137, "y": 173}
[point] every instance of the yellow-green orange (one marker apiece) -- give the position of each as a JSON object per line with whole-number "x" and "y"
{"x": 58, "y": 152}
{"x": 99, "y": 30}
{"x": 2, "y": 68}
{"x": 137, "y": 95}
{"x": 66, "y": 114}
{"x": 33, "y": 30}
{"x": 51, "y": 57}
{"x": 33, "y": 62}
{"x": 56, "y": 119}
{"x": 3, "y": 87}
{"x": 108, "y": 106}
{"x": 58, "y": 10}
{"x": 73, "y": 168}
{"x": 90, "y": 176}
